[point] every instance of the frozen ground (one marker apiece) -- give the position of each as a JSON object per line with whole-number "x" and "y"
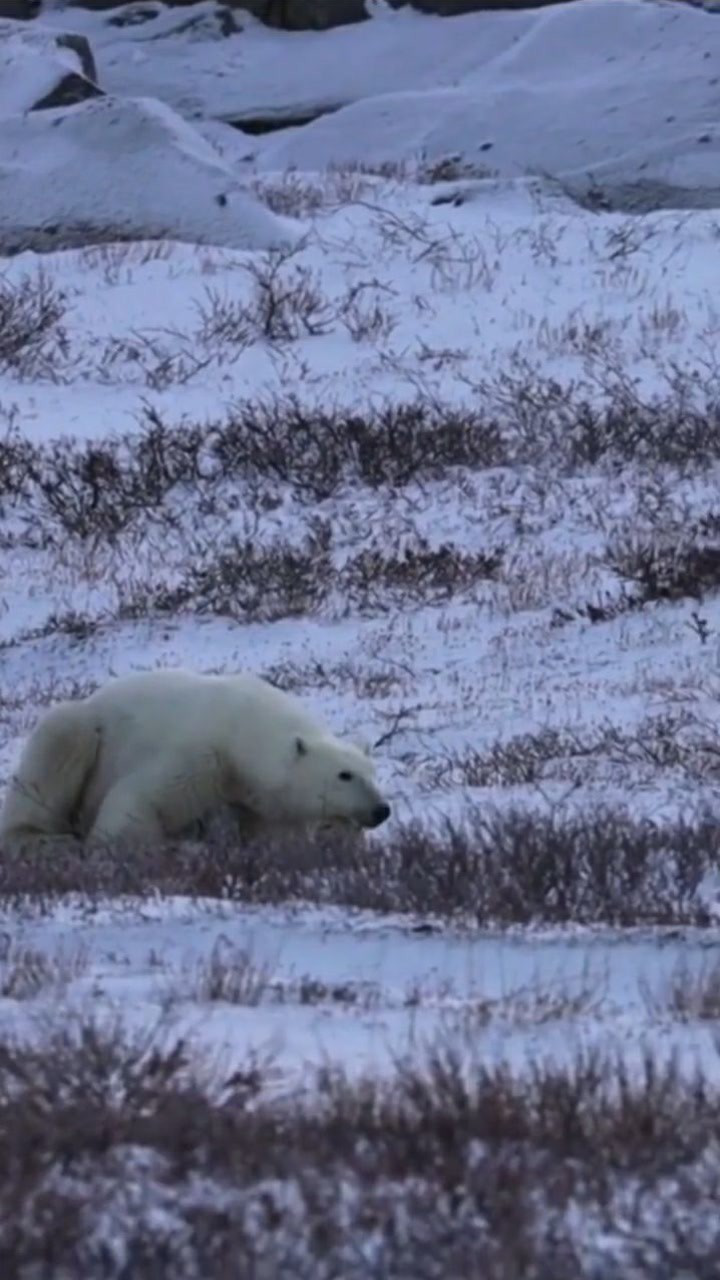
{"x": 616, "y": 100}
{"x": 446, "y": 464}
{"x": 306, "y": 986}
{"x": 617, "y": 92}
{"x": 513, "y": 630}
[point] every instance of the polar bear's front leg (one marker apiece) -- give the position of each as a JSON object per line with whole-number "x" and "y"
{"x": 126, "y": 813}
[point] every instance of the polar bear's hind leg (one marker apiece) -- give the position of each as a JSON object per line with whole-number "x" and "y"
{"x": 54, "y": 767}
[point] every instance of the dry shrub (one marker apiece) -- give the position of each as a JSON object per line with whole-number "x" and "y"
{"x": 494, "y": 869}
{"x": 689, "y": 994}
{"x": 26, "y": 972}
{"x": 286, "y": 303}
{"x": 432, "y": 575}
{"x": 228, "y": 975}
{"x": 33, "y": 343}
{"x": 120, "y": 1156}
{"x": 96, "y": 491}
{"x": 674, "y": 740}
{"x": 690, "y": 568}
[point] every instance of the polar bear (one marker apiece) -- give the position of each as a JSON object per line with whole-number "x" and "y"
{"x": 150, "y": 755}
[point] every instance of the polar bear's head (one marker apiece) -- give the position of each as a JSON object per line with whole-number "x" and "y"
{"x": 333, "y": 781}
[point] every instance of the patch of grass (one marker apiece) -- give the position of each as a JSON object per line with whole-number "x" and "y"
{"x": 158, "y": 359}
{"x": 688, "y": 994}
{"x": 376, "y": 579}
{"x": 117, "y": 259}
{"x": 517, "y": 761}
{"x": 245, "y": 581}
{"x": 228, "y": 975}
{"x": 16, "y": 455}
{"x": 316, "y": 451}
{"x": 309, "y": 990}
{"x": 688, "y": 569}
{"x": 26, "y": 972}
{"x": 253, "y": 583}
{"x": 532, "y": 1004}
{"x": 365, "y": 682}
{"x": 294, "y": 195}
{"x": 513, "y": 867}
{"x": 33, "y": 342}
{"x": 280, "y": 449}
{"x": 449, "y": 1167}
{"x": 672, "y": 741}
{"x": 543, "y": 418}
{"x": 291, "y": 195}
{"x": 364, "y": 314}
{"x": 97, "y": 491}
{"x": 286, "y": 303}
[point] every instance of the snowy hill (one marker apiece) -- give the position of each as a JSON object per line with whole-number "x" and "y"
{"x": 617, "y": 97}
{"x": 123, "y": 168}
{"x": 623, "y": 90}
{"x": 402, "y": 408}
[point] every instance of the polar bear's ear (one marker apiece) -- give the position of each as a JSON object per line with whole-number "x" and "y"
{"x": 364, "y": 747}
{"x": 301, "y": 746}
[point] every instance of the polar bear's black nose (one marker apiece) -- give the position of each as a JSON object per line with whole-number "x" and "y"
{"x": 381, "y": 813}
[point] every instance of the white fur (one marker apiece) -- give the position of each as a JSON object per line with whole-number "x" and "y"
{"x": 148, "y": 755}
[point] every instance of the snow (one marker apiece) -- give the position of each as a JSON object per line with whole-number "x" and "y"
{"x": 617, "y": 91}
{"x": 374, "y": 992}
{"x": 570, "y": 91}
{"x": 507, "y": 278}
{"x": 458, "y": 292}
{"x": 126, "y": 167}
{"x": 31, "y": 65}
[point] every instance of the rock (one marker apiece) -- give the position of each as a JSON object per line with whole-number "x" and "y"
{"x": 70, "y": 90}
{"x": 288, "y": 15}
{"x": 256, "y": 125}
{"x": 81, "y": 47}
{"x": 101, "y": 5}
{"x": 19, "y": 10}
{"x": 123, "y": 169}
{"x": 208, "y": 20}
{"x": 454, "y": 8}
{"x": 306, "y": 15}
{"x": 41, "y": 69}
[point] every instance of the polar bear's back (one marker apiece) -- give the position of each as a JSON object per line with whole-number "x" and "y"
{"x": 190, "y": 728}
{"x": 205, "y": 709}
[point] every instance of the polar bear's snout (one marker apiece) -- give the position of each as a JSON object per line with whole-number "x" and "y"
{"x": 380, "y": 814}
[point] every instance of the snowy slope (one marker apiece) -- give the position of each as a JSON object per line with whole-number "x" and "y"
{"x": 125, "y": 168}
{"x": 445, "y": 463}
{"x": 571, "y": 91}
{"x": 452, "y": 294}
{"x": 576, "y": 90}
{"x": 403, "y": 299}
{"x": 31, "y": 65}
{"x": 623, "y": 89}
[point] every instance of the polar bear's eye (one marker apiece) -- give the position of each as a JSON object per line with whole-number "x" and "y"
{"x": 345, "y": 775}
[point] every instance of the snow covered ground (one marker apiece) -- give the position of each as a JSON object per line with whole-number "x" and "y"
{"x": 512, "y": 304}
{"x": 618, "y": 92}
{"x": 306, "y": 986}
{"x": 614, "y": 99}
{"x": 445, "y": 462}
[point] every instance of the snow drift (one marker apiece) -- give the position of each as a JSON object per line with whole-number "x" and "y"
{"x": 125, "y": 168}
{"x": 623, "y": 92}
{"x": 43, "y": 68}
